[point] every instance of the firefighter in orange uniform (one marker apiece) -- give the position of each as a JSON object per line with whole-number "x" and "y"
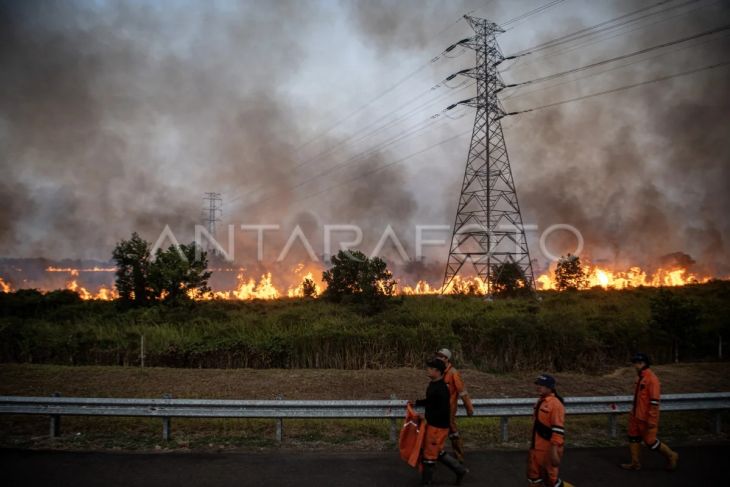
{"x": 644, "y": 416}
{"x": 437, "y": 425}
{"x": 457, "y": 390}
{"x": 548, "y": 436}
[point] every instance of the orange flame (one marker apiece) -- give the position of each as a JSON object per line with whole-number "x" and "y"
{"x": 4, "y": 286}
{"x": 103, "y": 294}
{"x": 72, "y": 270}
{"x": 264, "y": 288}
{"x": 458, "y": 285}
{"x": 249, "y": 288}
{"x": 633, "y": 277}
{"x": 298, "y": 292}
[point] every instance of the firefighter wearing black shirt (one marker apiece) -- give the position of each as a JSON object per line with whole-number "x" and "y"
{"x": 438, "y": 413}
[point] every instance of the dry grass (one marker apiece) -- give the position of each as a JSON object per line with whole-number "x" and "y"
{"x": 407, "y": 383}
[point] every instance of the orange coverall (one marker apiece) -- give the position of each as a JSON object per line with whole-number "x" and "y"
{"x": 644, "y": 417}
{"x": 456, "y": 389}
{"x": 433, "y": 443}
{"x": 418, "y": 438}
{"x": 411, "y": 437}
{"x": 547, "y": 430}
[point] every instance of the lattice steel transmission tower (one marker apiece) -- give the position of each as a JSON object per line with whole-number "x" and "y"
{"x": 211, "y": 214}
{"x": 488, "y": 229}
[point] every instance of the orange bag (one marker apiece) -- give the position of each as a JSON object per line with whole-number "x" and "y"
{"x": 411, "y": 437}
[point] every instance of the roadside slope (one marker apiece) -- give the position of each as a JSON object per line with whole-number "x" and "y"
{"x": 102, "y": 381}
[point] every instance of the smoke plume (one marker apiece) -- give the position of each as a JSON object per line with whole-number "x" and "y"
{"x": 117, "y": 117}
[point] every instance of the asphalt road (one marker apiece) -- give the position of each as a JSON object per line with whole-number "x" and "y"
{"x": 594, "y": 467}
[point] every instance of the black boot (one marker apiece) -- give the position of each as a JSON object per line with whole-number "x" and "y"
{"x": 427, "y": 473}
{"x": 454, "y": 465}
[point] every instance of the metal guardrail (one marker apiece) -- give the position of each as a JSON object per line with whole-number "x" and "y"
{"x": 393, "y": 409}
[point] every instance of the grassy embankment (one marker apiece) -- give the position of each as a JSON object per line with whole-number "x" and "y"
{"x": 589, "y": 331}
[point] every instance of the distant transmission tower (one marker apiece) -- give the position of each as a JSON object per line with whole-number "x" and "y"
{"x": 488, "y": 230}
{"x": 211, "y": 215}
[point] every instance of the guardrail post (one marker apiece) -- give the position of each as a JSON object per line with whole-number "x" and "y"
{"x": 503, "y": 431}
{"x": 279, "y": 424}
{"x": 613, "y": 425}
{"x": 718, "y": 422}
{"x": 55, "y": 429}
{"x": 166, "y": 423}
{"x": 393, "y": 424}
{"x": 279, "y": 430}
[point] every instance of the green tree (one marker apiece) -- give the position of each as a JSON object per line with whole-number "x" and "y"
{"x": 354, "y": 274}
{"x": 569, "y": 273}
{"x": 179, "y": 273}
{"x": 676, "y": 318}
{"x": 133, "y": 262}
{"x": 508, "y": 279}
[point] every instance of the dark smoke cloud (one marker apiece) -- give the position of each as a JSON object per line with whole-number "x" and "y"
{"x": 641, "y": 174}
{"x": 117, "y": 118}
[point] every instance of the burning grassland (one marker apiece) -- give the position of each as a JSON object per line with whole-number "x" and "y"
{"x": 596, "y": 276}
{"x": 293, "y": 283}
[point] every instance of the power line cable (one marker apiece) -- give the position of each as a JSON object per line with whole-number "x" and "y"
{"x": 530, "y": 13}
{"x": 400, "y": 137}
{"x": 377, "y": 97}
{"x": 387, "y": 91}
{"x": 623, "y": 56}
{"x": 586, "y": 31}
{"x": 398, "y": 161}
{"x": 513, "y": 20}
{"x": 360, "y": 137}
{"x": 378, "y": 169}
{"x": 617, "y": 31}
{"x": 621, "y": 88}
{"x": 404, "y": 134}
{"x": 520, "y": 93}
{"x": 410, "y": 75}
{"x": 360, "y": 156}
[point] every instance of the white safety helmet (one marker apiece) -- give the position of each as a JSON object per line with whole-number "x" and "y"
{"x": 445, "y": 352}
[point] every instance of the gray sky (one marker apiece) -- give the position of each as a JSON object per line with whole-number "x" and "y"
{"x": 117, "y": 117}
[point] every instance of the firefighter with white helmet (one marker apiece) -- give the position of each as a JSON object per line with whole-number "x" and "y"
{"x": 457, "y": 389}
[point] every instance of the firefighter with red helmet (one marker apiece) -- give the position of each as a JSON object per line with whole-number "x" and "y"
{"x": 548, "y": 436}
{"x": 457, "y": 389}
{"x": 644, "y": 416}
